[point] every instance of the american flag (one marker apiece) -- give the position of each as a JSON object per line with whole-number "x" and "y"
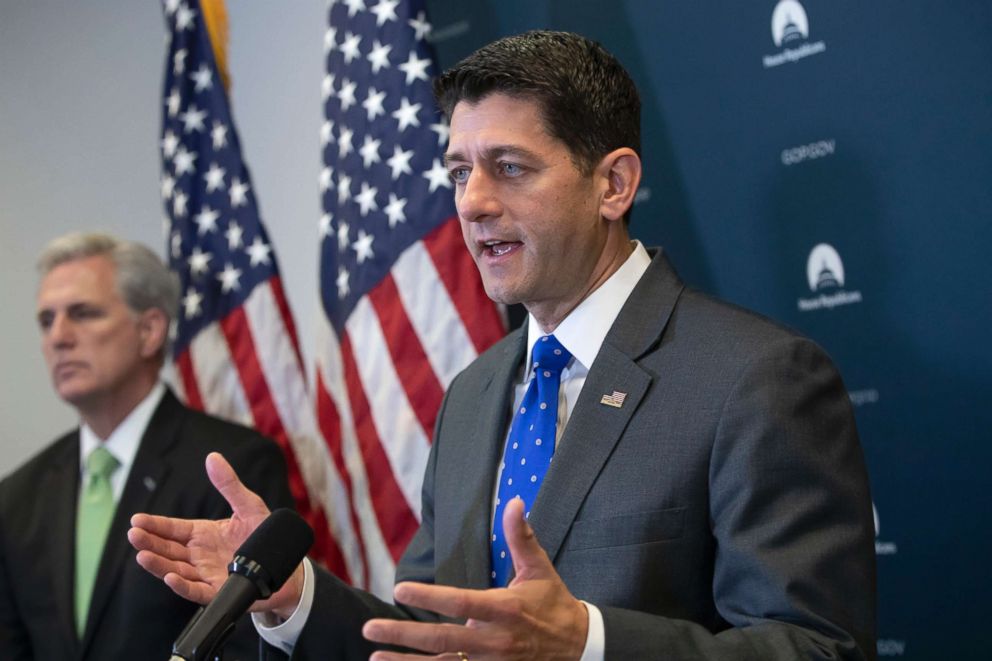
{"x": 236, "y": 349}
{"x": 403, "y": 306}
{"x": 615, "y": 400}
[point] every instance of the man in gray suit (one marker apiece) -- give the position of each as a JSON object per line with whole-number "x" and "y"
{"x": 69, "y": 585}
{"x": 707, "y": 495}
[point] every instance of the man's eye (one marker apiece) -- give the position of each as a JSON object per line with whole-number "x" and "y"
{"x": 511, "y": 169}
{"x": 84, "y": 313}
{"x": 458, "y": 175}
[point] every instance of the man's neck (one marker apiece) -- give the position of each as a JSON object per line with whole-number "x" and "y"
{"x": 104, "y": 417}
{"x": 551, "y": 313}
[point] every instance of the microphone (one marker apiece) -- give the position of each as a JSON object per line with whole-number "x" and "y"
{"x": 260, "y": 567}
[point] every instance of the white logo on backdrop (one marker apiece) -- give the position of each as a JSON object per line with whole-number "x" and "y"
{"x": 825, "y": 274}
{"x": 863, "y": 397}
{"x": 789, "y": 22}
{"x": 808, "y": 152}
{"x": 881, "y": 548}
{"x": 886, "y": 646}
{"x": 790, "y": 32}
{"x": 889, "y": 647}
{"x": 824, "y": 268}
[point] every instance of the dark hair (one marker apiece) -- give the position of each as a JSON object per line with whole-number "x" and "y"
{"x": 588, "y": 99}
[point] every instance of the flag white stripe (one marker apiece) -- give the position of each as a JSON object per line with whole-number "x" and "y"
{"x": 287, "y": 387}
{"x": 380, "y": 562}
{"x": 433, "y": 315}
{"x": 399, "y": 431}
{"x": 217, "y": 379}
{"x": 284, "y": 376}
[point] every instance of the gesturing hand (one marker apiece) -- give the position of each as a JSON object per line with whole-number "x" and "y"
{"x": 191, "y": 556}
{"x": 536, "y": 617}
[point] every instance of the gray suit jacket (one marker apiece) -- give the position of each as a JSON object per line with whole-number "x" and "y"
{"x": 722, "y": 512}
{"x": 133, "y": 615}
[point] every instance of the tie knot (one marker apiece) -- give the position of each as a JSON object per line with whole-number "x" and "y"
{"x": 101, "y": 463}
{"x": 550, "y": 355}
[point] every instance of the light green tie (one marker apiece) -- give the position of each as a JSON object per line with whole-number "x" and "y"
{"x": 96, "y": 509}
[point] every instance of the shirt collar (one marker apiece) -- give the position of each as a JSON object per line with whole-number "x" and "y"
{"x": 583, "y": 331}
{"x": 124, "y": 440}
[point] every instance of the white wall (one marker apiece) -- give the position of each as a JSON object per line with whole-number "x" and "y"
{"x": 79, "y": 120}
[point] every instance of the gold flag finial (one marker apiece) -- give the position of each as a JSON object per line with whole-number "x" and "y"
{"x": 215, "y": 16}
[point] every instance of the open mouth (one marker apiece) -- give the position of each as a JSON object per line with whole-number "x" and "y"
{"x": 500, "y": 248}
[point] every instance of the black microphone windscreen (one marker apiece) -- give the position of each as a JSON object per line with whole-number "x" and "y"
{"x": 278, "y": 545}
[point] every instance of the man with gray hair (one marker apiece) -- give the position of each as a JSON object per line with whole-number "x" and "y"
{"x": 69, "y": 585}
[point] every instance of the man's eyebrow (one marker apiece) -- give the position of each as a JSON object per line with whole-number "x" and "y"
{"x": 453, "y": 157}
{"x": 492, "y": 154}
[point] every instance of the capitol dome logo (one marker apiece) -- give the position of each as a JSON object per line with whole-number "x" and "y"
{"x": 790, "y": 32}
{"x": 824, "y": 268}
{"x": 789, "y": 22}
{"x": 825, "y": 275}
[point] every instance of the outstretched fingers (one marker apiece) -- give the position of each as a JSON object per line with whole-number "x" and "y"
{"x": 245, "y": 503}
{"x": 426, "y": 637}
{"x": 163, "y": 540}
{"x": 164, "y": 528}
{"x": 195, "y": 591}
{"x": 462, "y": 603}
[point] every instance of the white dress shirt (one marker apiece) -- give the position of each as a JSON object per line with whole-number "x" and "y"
{"x": 123, "y": 442}
{"x": 582, "y": 333}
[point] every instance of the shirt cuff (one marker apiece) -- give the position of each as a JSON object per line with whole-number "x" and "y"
{"x": 283, "y": 635}
{"x": 595, "y": 649}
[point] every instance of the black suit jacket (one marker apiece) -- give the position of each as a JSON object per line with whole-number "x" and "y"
{"x": 133, "y": 615}
{"x": 722, "y": 512}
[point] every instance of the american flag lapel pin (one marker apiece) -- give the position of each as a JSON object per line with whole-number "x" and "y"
{"x": 615, "y": 400}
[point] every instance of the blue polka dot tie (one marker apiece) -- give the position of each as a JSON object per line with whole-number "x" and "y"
{"x": 529, "y": 447}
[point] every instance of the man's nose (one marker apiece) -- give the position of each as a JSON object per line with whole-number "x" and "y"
{"x": 478, "y": 200}
{"x": 61, "y": 332}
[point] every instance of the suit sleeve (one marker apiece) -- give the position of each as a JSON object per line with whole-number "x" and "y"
{"x": 794, "y": 569}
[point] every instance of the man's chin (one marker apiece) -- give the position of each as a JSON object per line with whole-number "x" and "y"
{"x": 501, "y": 294}
{"x": 74, "y": 394}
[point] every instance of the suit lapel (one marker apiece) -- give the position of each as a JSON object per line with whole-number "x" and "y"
{"x": 594, "y": 428}
{"x": 60, "y": 486}
{"x": 480, "y": 471}
{"x": 149, "y": 469}
{"x": 592, "y": 432}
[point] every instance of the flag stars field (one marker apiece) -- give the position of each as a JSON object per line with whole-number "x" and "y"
{"x": 396, "y": 254}
{"x": 379, "y": 56}
{"x": 234, "y": 326}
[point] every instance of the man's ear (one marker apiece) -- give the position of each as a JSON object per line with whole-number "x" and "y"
{"x": 153, "y": 325}
{"x": 621, "y": 170}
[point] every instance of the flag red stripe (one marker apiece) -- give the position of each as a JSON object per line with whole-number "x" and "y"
{"x": 408, "y": 356}
{"x": 275, "y": 282}
{"x": 242, "y": 347}
{"x": 191, "y": 388}
{"x": 461, "y": 278}
{"x": 326, "y": 549}
{"x": 329, "y": 423}
{"x": 241, "y": 344}
{"x": 396, "y": 521}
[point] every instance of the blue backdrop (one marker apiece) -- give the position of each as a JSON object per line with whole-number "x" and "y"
{"x": 828, "y": 164}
